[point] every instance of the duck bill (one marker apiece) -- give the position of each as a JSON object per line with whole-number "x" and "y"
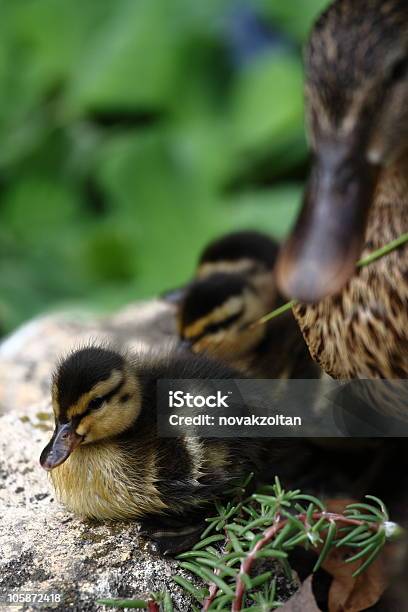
{"x": 175, "y": 296}
{"x": 63, "y": 442}
{"x": 321, "y": 254}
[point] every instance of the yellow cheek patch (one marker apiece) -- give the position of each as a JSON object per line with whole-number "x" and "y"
{"x": 85, "y": 425}
{"x": 115, "y": 417}
{"x": 232, "y": 306}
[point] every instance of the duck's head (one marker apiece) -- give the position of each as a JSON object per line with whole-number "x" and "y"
{"x": 357, "y": 111}
{"x": 216, "y": 314}
{"x": 95, "y": 396}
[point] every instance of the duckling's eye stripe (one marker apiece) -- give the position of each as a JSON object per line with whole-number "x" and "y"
{"x": 103, "y": 398}
{"x": 212, "y": 328}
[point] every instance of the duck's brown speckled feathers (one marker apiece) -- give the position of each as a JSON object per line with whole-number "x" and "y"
{"x": 354, "y": 47}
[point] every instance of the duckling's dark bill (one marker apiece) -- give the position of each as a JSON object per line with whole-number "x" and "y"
{"x": 62, "y": 444}
{"x": 321, "y": 254}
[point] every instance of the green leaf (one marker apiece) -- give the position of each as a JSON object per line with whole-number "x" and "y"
{"x": 319, "y": 524}
{"x": 381, "y": 504}
{"x": 352, "y": 534}
{"x": 167, "y": 603}
{"x": 197, "y": 553}
{"x": 312, "y": 499}
{"x": 198, "y": 594}
{"x": 331, "y": 532}
{"x": 235, "y": 542}
{"x": 210, "y": 527}
{"x": 216, "y": 564}
{"x": 222, "y": 601}
{"x": 270, "y": 552}
{"x": 368, "y": 518}
{"x": 234, "y": 527}
{"x": 256, "y": 523}
{"x": 278, "y": 487}
{"x": 374, "y": 538}
{"x": 362, "y": 553}
{"x": 295, "y": 522}
{"x": 261, "y": 579}
{"x": 265, "y": 499}
{"x": 358, "y": 506}
{"x": 295, "y": 541}
{"x": 207, "y": 541}
{"x": 283, "y": 534}
{"x": 368, "y": 561}
{"x": 207, "y": 576}
{"x": 123, "y": 603}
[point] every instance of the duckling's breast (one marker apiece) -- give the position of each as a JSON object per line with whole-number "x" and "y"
{"x": 98, "y": 481}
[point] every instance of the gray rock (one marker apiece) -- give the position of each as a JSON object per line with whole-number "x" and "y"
{"x": 43, "y": 547}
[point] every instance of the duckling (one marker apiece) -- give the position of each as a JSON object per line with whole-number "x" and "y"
{"x": 250, "y": 253}
{"x": 355, "y": 322}
{"x": 106, "y": 460}
{"x": 216, "y": 316}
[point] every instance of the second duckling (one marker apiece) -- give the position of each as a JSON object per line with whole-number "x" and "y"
{"x": 216, "y": 317}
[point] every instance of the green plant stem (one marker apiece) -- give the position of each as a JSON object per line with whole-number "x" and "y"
{"x": 365, "y": 261}
{"x": 271, "y": 532}
{"x": 213, "y": 588}
{"x": 385, "y": 250}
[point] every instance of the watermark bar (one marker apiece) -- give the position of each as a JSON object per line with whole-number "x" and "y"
{"x": 282, "y": 408}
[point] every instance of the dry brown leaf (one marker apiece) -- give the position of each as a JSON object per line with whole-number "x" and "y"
{"x": 348, "y": 594}
{"x": 303, "y": 600}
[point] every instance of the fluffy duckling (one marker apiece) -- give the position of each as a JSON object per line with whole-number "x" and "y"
{"x": 216, "y": 316}
{"x": 105, "y": 458}
{"x": 357, "y": 199}
{"x": 251, "y": 254}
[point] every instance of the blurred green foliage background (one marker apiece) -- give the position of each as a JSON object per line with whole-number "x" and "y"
{"x": 132, "y": 132}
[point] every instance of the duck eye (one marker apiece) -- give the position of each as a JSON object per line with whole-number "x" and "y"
{"x": 95, "y": 403}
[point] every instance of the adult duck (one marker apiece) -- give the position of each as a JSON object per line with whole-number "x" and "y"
{"x": 355, "y": 322}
